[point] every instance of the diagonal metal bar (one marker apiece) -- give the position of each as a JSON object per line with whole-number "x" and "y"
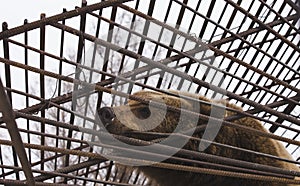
{"x": 287, "y": 110}
{"x": 263, "y": 25}
{"x": 294, "y": 6}
{"x": 252, "y": 31}
{"x": 108, "y": 90}
{"x": 9, "y": 119}
{"x": 70, "y": 168}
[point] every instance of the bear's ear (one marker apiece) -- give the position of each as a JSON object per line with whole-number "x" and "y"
{"x": 196, "y": 101}
{"x": 178, "y": 100}
{"x": 204, "y": 105}
{"x": 148, "y": 95}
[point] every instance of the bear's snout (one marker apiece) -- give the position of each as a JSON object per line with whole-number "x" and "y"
{"x": 111, "y": 116}
{"x": 106, "y": 115}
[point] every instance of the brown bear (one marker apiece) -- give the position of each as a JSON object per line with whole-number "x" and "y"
{"x": 119, "y": 120}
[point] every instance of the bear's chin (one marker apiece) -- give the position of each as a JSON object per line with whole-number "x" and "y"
{"x": 137, "y": 138}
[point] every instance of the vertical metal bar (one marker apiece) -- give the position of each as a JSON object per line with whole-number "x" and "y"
{"x": 238, "y": 53}
{"x": 211, "y": 6}
{"x": 109, "y": 171}
{"x": 286, "y": 111}
{"x": 156, "y": 49}
{"x": 8, "y": 84}
{"x": 27, "y": 85}
{"x": 79, "y": 60}
{"x": 7, "y": 67}
{"x": 109, "y": 39}
{"x": 142, "y": 43}
{"x": 97, "y": 32}
{"x": 59, "y": 85}
{"x": 42, "y": 83}
{"x": 294, "y": 6}
{"x": 263, "y": 41}
{"x": 132, "y": 27}
{"x": 104, "y": 68}
{"x": 172, "y": 42}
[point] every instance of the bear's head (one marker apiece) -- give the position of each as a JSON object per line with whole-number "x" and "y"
{"x": 154, "y": 116}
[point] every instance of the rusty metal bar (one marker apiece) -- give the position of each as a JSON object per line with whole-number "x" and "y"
{"x": 56, "y": 174}
{"x": 281, "y": 17}
{"x": 235, "y": 36}
{"x": 59, "y": 17}
{"x": 294, "y": 6}
{"x": 226, "y": 123}
{"x": 271, "y": 105}
{"x": 142, "y": 43}
{"x": 218, "y": 160}
{"x": 42, "y": 81}
{"x": 9, "y": 118}
{"x": 123, "y": 138}
{"x": 70, "y": 168}
{"x": 294, "y": 34}
{"x": 195, "y": 80}
{"x": 172, "y": 71}
{"x": 279, "y": 48}
{"x": 182, "y": 135}
{"x": 59, "y": 85}
{"x": 240, "y": 114}
{"x": 8, "y": 84}
{"x": 10, "y": 182}
{"x": 268, "y": 86}
{"x": 296, "y": 48}
{"x": 241, "y": 79}
{"x": 266, "y": 89}
{"x": 7, "y": 67}
{"x": 51, "y": 103}
{"x": 107, "y": 50}
{"x": 42, "y": 147}
{"x": 26, "y": 80}
{"x": 287, "y": 111}
{"x": 56, "y": 156}
{"x": 220, "y": 52}
{"x": 79, "y": 60}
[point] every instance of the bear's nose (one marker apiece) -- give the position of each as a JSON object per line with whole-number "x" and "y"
{"x": 106, "y": 114}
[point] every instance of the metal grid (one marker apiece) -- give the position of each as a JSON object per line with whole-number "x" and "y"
{"x": 43, "y": 64}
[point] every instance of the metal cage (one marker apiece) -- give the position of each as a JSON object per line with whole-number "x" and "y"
{"x": 56, "y": 71}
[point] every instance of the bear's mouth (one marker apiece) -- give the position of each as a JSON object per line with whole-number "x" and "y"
{"x": 146, "y": 136}
{"x": 135, "y": 135}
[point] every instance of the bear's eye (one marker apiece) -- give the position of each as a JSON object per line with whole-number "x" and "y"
{"x": 143, "y": 113}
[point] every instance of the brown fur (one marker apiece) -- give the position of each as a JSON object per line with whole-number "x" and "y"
{"x": 226, "y": 135}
